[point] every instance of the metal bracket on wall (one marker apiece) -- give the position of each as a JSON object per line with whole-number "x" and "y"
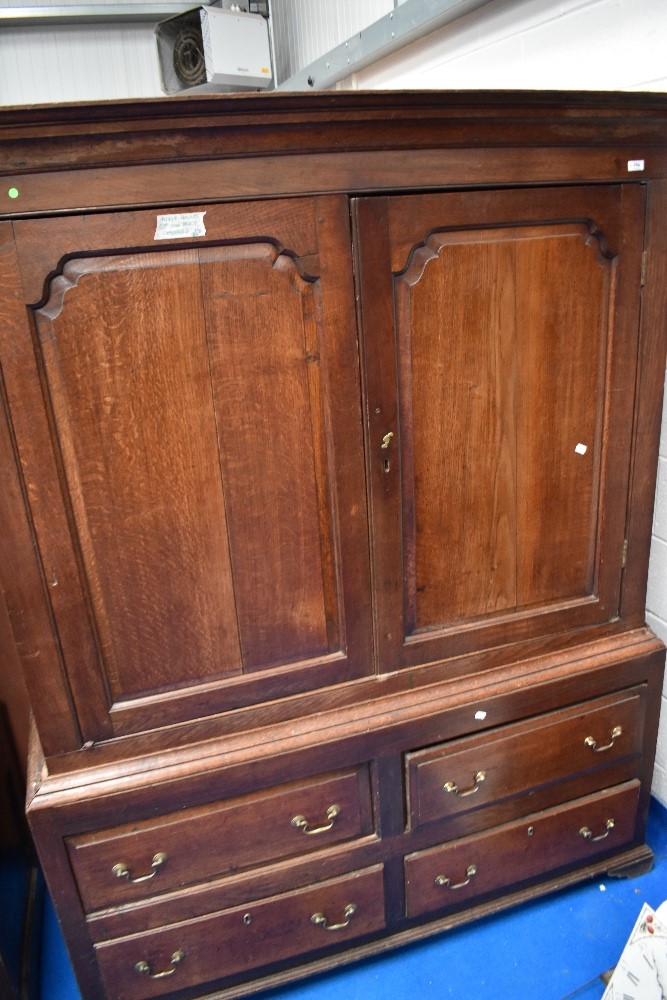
{"x": 46, "y": 17}
{"x": 406, "y": 23}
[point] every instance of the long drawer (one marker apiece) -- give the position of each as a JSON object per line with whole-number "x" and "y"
{"x": 135, "y": 861}
{"x": 255, "y": 936}
{"x": 455, "y": 777}
{"x": 456, "y": 872}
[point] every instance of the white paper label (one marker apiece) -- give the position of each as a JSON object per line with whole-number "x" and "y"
{"x": 635, "y": 165}
{"x": 581, "y": 449}
{"x": 480, "y": 715}
{"x": 179, "y": 227}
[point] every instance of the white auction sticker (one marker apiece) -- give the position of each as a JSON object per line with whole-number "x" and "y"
{"x": 182, "y": 226}
{"x": 635, "y": 165}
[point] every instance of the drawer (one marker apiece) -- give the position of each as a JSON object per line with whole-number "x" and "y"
{"x": 464, "y": 774}
{"x": 454, "y": 873}
{"x": 231, "y": 942}
{"x": 138, "y": 860}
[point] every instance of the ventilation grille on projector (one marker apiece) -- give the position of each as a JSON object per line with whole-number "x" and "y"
{"x": 181, "y": 52}
{"x": 189, "y": 62}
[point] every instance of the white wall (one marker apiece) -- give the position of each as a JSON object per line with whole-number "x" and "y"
{"x": 537, "y": 44}
{"x": 40, "y": 65}
{"x": 77, "y": 64}
{"x": 567, "y": 45}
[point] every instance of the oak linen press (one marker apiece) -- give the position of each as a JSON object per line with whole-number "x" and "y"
{"x": 329, "y": 437}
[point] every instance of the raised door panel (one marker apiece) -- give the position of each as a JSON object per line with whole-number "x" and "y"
{"x": 500, "y": 336}
{"x": 123, "y": 344}
{"x": 201, "y": 398}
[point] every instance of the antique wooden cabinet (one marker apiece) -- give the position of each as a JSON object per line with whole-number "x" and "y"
{"x": 328, "y": 449}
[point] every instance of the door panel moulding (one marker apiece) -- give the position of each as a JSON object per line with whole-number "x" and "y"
{"x": 406, "y": 23}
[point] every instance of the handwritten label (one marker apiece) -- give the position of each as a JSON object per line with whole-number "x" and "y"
{"x": 180, "y": 227}
{"x": 634, "y": 165}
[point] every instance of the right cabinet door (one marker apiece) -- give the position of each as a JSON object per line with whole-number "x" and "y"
{"x": 500, "y": 333}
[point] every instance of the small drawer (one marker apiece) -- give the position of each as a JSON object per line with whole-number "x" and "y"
{"x": 454, "y": 873}
{"x": 138, "y": 860}
{"x": 464, "y": 774}
{"x": 231, "y": 942}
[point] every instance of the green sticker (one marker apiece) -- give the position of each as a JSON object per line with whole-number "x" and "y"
{"x": 13, "y": 192}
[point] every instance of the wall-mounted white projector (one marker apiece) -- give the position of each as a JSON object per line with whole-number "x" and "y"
{"x": 212, "y": 49}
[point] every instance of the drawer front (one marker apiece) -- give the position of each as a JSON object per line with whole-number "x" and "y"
{"x": 138, "y": 860}
{"x": 465, "y": 774}
{"x": 234, "y": 941}
{"x": 453, "y": 873}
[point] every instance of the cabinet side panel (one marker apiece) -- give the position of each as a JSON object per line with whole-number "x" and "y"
{"x": 124, "y": 351}
{"x": 651, "y": 381}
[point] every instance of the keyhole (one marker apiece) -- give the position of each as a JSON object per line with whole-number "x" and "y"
{"x": 386, "y": 441}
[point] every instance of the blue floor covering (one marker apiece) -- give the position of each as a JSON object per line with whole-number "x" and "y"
{"x": 551, "y": 949}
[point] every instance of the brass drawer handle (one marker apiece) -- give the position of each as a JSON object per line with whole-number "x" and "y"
{"x": 122, "y": 871}
{"x": 587, "y": 834}
{"x": 592, "y": 743}
{"x": 321, "y": 921}
{"x": 444, "y": 882}
{"x": 301, "y": 823}
{"x": 144, "y": 968}
{"x": 451, "y": 786}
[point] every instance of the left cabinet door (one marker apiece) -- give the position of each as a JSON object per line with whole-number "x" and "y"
{"x": 183, "y": 388}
